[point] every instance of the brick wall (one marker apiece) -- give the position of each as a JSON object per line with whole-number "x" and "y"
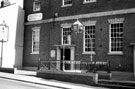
{"x": 50, "y": 33}
{"x": 50, "y": 7}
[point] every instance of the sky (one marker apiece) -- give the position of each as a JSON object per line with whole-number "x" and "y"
{"x": 20, "y": 2}
{"x": 12, "y": 1}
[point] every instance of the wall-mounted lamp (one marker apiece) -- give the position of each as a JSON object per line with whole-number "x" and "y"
{"x": 77, "y": 27}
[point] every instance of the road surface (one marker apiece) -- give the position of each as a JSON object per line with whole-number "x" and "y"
{"x": 13, "y": 84}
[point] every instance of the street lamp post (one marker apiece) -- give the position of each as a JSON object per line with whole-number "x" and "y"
{"x": 3, "y": 37}
{"x": 1, "y": 52}
{"x": 79, "y": 28}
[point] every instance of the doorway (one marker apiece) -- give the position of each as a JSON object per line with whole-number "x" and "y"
{"x": 65, "y": 59}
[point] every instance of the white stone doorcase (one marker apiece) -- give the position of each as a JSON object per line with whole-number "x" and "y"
{"x": 59, "y": 58}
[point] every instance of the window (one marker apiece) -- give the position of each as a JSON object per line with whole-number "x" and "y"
{"x": 89, "y": 1}
{"x": 36, "y": 5}
{"x": 67, "y": 2}
{"x": 116, "y": 37}
{"x": 66, "y": 36}
{"x": 89, "y": 39}
{"x": 35, "y": 39}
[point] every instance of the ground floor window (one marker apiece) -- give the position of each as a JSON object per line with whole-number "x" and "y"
{"x": 35, "y": 39}
{"x": 116, "y": 36}
{"x": 89, "y": 39}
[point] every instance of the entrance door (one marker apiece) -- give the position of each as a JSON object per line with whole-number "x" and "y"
{"x": 65, "y": 59}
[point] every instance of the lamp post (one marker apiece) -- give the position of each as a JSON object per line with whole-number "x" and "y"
{"x": 3, "y": 37}
{"x": 78, "y": 27}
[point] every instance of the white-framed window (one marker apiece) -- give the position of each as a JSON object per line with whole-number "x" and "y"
{"x": 116, "y": 36}
{"x": 36, "y": 5}
{"x": 35, "y": 39}
{"x": 66, "y": 35}
{"x": 67, "y": 2}
{"x": 89, "y": 39}
{"x": 89, "y": 1}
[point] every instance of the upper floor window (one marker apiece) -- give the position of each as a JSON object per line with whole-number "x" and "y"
{"x": 36, "y": 5}
{"x": 66, "y": 36}
{"x": 89, "y": 1}
{"x": 35, "y": 39}
{"x": 116, "y": 36}
{"x": 67, "y": 2}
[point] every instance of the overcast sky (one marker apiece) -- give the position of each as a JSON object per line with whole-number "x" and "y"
{"x": 12, "y": 1}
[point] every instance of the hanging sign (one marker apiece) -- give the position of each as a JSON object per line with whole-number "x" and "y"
{"x": 3, "y": 32}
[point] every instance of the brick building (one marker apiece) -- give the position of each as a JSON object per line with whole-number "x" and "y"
{"x": 108, "y": 33}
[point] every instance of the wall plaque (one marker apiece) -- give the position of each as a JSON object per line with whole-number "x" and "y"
{"x": 35, "y": 17}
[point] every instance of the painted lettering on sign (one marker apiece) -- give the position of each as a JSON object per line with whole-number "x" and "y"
{"x": 35, "y": 17}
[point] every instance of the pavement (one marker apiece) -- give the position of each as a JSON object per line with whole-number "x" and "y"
{"x": 32, "y": 79}
{"x": 119, "y": 79}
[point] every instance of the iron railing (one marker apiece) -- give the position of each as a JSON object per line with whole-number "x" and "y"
{"x": 59, "y": 65}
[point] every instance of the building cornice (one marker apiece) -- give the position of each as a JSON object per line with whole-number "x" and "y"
{"x": 81, "y": 16}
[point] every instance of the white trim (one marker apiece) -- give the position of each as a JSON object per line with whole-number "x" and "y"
{"x": 92, "y": 1}
{"x": 36, "y": 28}
{"x": 85, "y": 53}
{"x": 66, "y": 25}
{"x": 66, "y": 5}
{"x": 34, "y": 53}
{"x": 72, "y": 57}
{"x": 116, "y": 20}
{"x": 109, "y": 38}
{"x": 115, "y": 53}
{"x": 89, "y": 23}
{"x": 89, "y": 15}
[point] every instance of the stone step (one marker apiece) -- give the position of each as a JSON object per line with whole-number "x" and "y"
{"x": 25, "y": 72}
{"x": 118, "y": 84}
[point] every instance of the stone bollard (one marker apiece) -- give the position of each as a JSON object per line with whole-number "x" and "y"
{"x": 95, "y": 78}
{"x": 110, "y": 76}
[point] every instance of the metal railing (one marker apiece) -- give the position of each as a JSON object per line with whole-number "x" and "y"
{"x": 59, "y": 65}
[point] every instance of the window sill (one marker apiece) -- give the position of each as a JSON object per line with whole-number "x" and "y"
{"x": 34, "y": 53}
{"x": 88, "y": 53}
{"x": 66, "y": 5}
{"x": 36, "y": 10}
{"x": 89, "y": 2}
{"x": 115, "y": 53}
